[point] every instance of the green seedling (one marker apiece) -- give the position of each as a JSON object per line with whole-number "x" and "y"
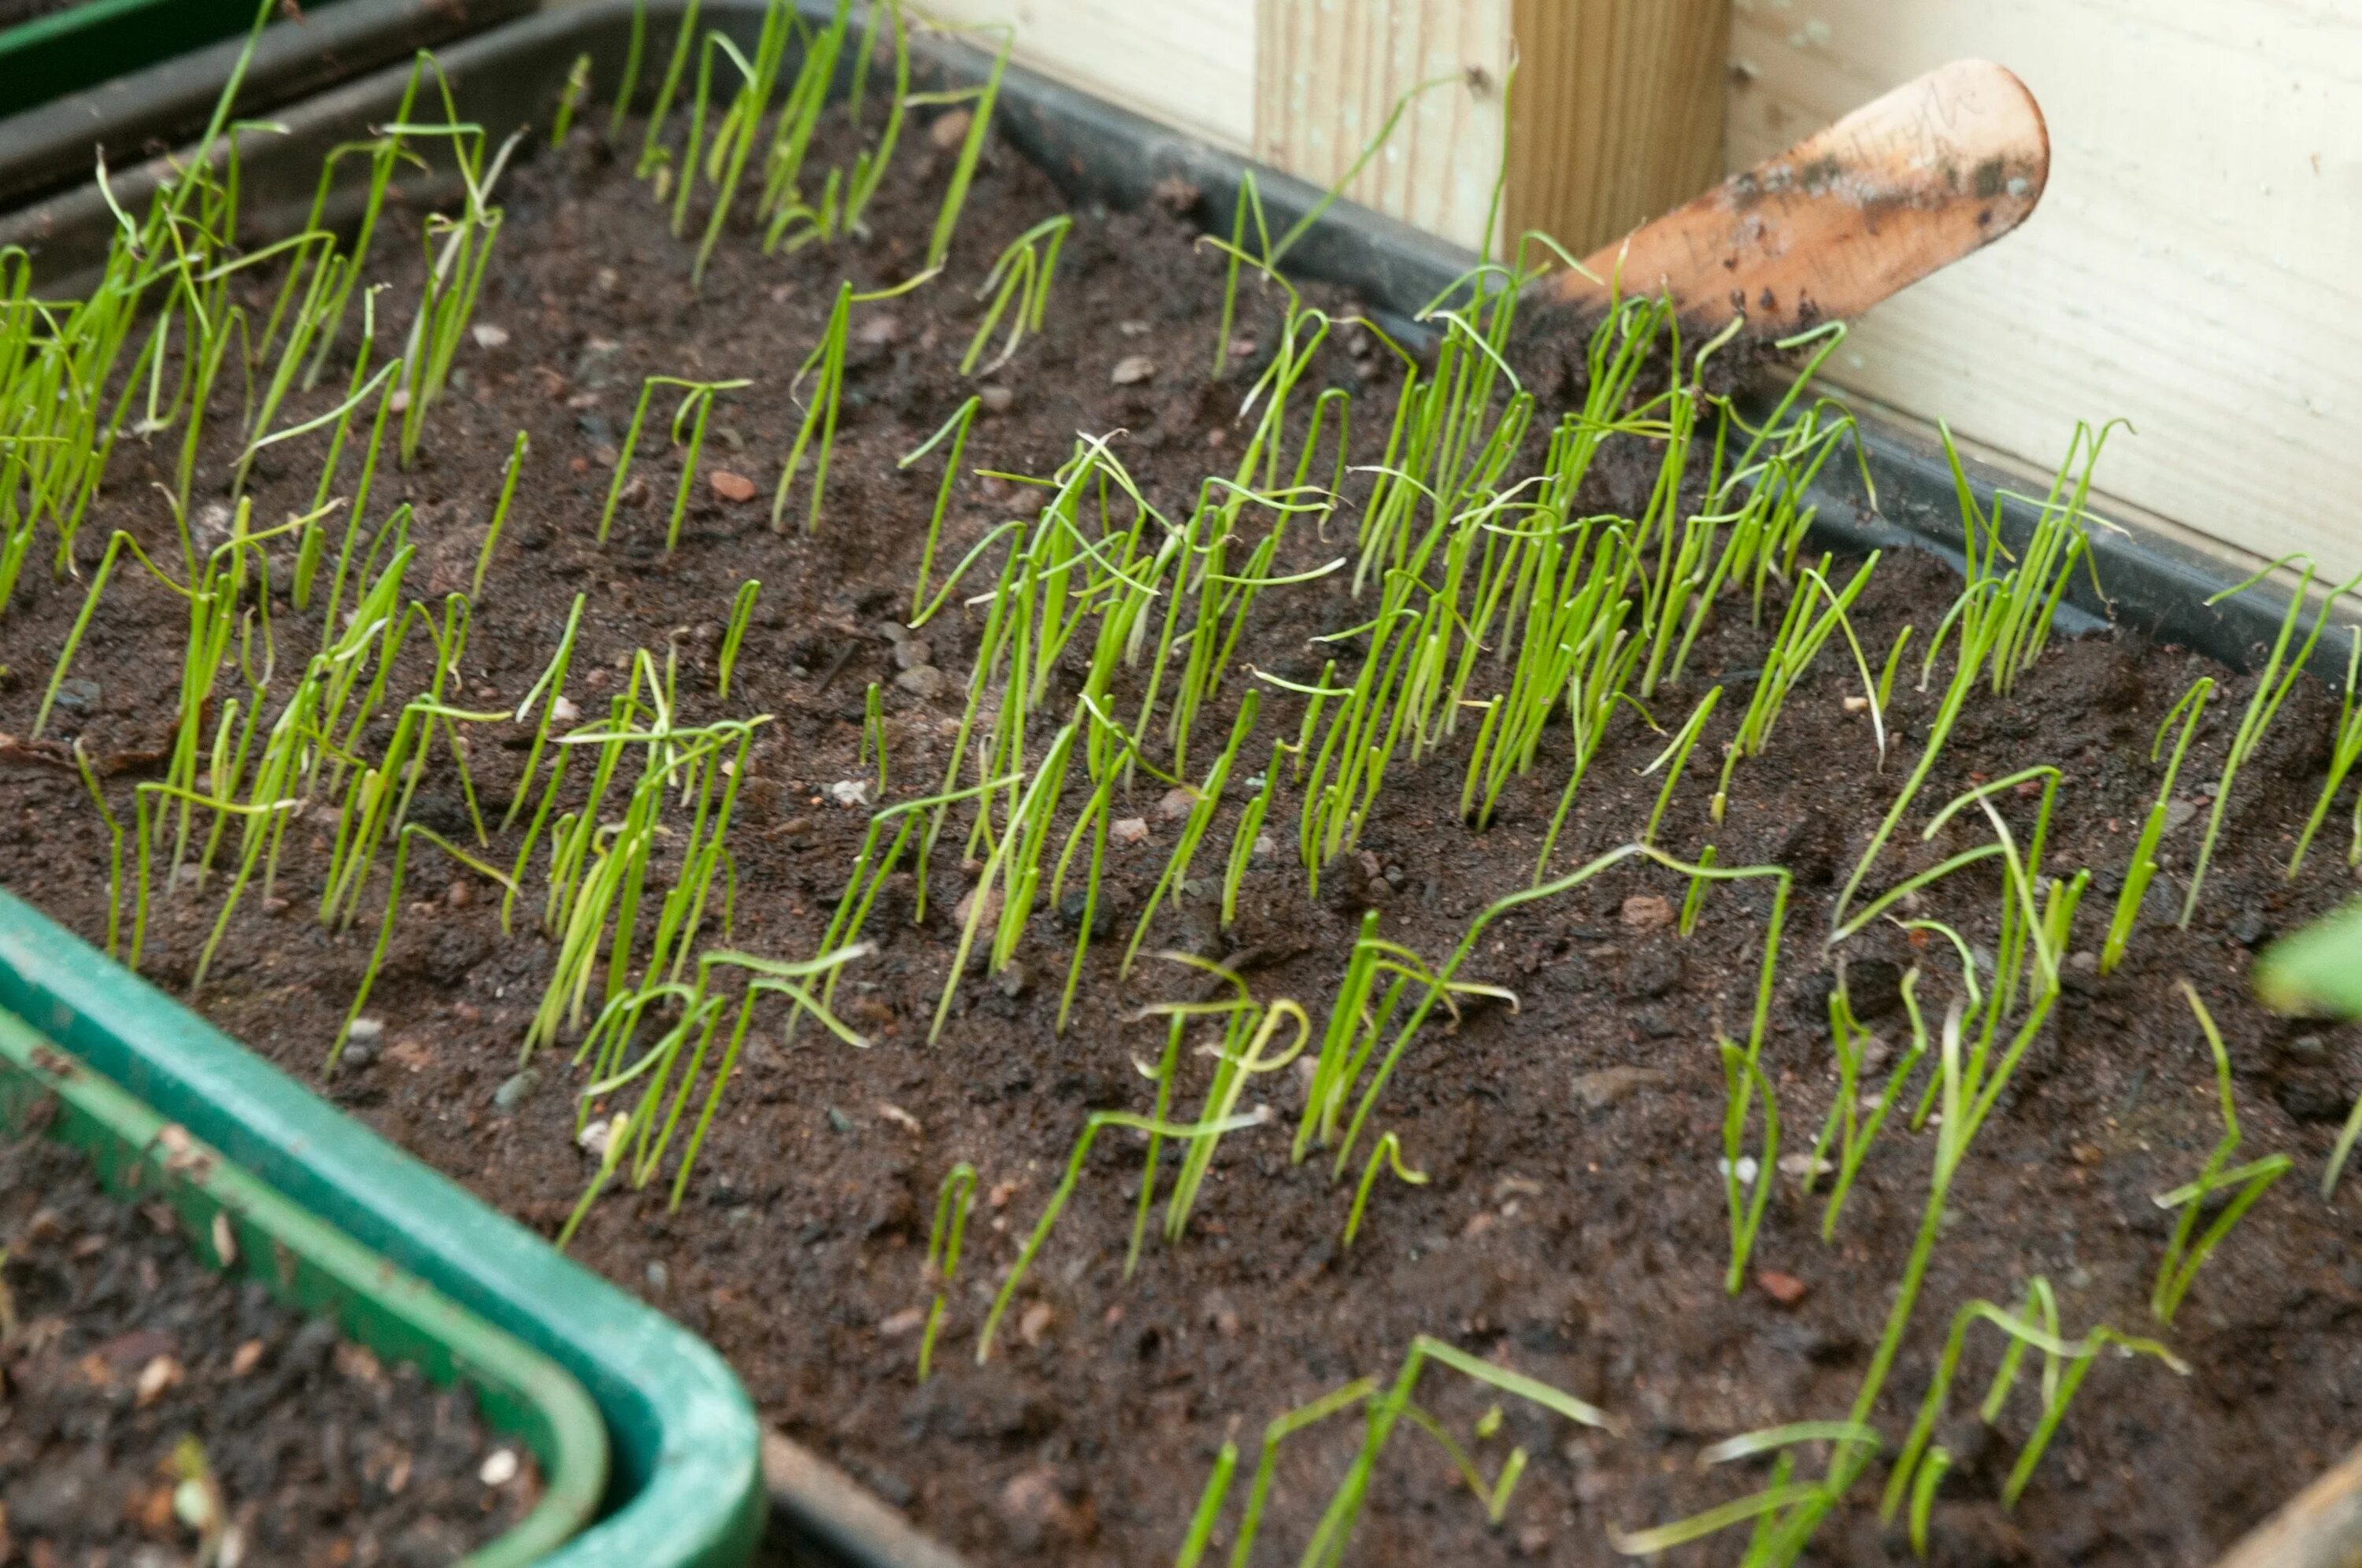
{"x": 1389, "y": 1153}
{"x": 578, "y": 86}
{"x": 2273, "y": 683}
{"x": 742, "y": 612}
{"x": 1021, "y": 278}
{"x": 499, "y": 516}
{"x": 957, "y": 428}
{"x": 1092, "y": 1126}
{"x": 954, "y": 1199}
{"x": 2183, "y": 1255}
{"x": 873, "y": 731}
{"x": 1334, "y": 1533}
{"x": 818, "y": 431}
{"x": 695, "y": 406}
{"x": 2143, "y": 868}
{"x": 2345, "y": 749}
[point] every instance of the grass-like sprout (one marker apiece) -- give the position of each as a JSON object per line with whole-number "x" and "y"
{"x": 954, "y": 1199}
{"x": 1244, "y": 836}
{"x": 1098, "y": 1121}
{"x": 1798, "y": 641}
{"x": 2345, "y": 749}
{"x": 1335, "y": 1529}
{"x": 2001, "y": 621}
{"x": 827, "y": 358}
{"x": 873, "y": 731}
{"x": 2273, "y": 683}
{"x": 1389, "y": 1153}
{"x": 2066, "y": 1363}
{"x": 957, "y": 428}
{"x": 1851, "y": 1132}
{"x": 410, "y": 832}
{"x": 1743, "y": 1079}
{"x": 695, "y": 406}
{"x": 741, "y": 611}
{"x": 1677, "y": 753}
{"x": 1208, "y": 1511}
{"x": 2185, "y": 1256}
{"x": 684, "y": 44}
{"x": 500, "y": 514}
{"x": 1204, "y": 800}
{"x": 578, "y": 87}
{"x": 947, "y": 216}
{"x": 1021, "y": 276}
{"x": 455, "y": 275}
{"x": 2143, "y": 868}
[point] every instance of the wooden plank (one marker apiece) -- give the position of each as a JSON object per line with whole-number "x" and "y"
{"x": 1618, "y": 113}
{"x": 1326, "y": 75}
{"x": 1186, "y": 62}
{"x": 2190, "y": 268}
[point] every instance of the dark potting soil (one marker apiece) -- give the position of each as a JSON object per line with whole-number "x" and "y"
{"x": 125, "y": 1347}
{"x": 1573, "y": 1227}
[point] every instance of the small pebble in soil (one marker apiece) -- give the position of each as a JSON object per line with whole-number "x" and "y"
{"x": 500, "y": 1467}
{"x": 924, "y": 681}
{"x": 1746, "y": 1170}
{"x": 1176, "y": 803}
{"x": 78, "y": 695}
{"x": 2305, "y": 1048}
{"x": 731, "y": 487}
{"x": 1128, "y": 830}
{"x": 363, "y": 1041}
{"x": 488, "y": 335}
{"x": 515, "y": 1090}
{"x": 1011, "y": 981}
{"x": 1645, "y": 912}
{"x": 1131, "y": 369}
{"x": 1613, "y": 1086}
{"x": 850, "y": 793}
{"x": 949, "y": 129}
{"x": 913, "y": 653}
{"x": 996, "y": 399}
{"x": 909, "y": 1320}
{"x": 838, "y": 1120}
{"x": 1785, "y": 1288}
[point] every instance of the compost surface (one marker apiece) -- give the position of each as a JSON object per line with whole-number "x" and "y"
{"x": 125, "y": 1347}
{"x": 1575, "y": 1225}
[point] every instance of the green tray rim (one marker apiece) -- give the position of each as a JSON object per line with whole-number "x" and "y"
{"x": 311, "y": 1265}
{"x": 685, "y": 1484}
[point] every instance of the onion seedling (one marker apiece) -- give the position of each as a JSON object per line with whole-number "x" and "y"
{"x": 1092, "y": 1126}
{"x": 741, "y": 611}
{"x": 2345, "y": 749}
{"x": 2183, "y": 1255}
{"x": 819, "y": 415}
{"x": 1387, "y": 1153}
{"x": 2059, "y": 1390}
{"x": 577, "y": 86}
{"x": 2273, "y": 684}
{"x": 1335, "y": 1529}
{"x": 501, "y": 514}
{"x": 939, "y": 242}
{"x": 697, "y": 401}
{"x": 1021, "y": 275}
{"x": 2190, "y": 709}
{"x": 957, "y": 428}
{"x": 954, "y": 1199}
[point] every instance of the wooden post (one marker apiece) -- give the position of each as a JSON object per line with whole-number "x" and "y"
{"x": 1618, "y": 111}
{"x": 1617, "y": 103}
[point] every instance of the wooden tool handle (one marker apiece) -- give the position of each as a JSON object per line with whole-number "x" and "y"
{"x": 1911, "y": 181}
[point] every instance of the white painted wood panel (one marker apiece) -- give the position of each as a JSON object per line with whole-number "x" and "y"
{"x": 2192, "y": 267}
{"x": 1189, "y": 63}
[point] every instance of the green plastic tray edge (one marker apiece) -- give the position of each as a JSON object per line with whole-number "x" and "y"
{"x": 67, "y": 51}
{"x": 316, "y": 1267}
{"x": 686, "y": 1480}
